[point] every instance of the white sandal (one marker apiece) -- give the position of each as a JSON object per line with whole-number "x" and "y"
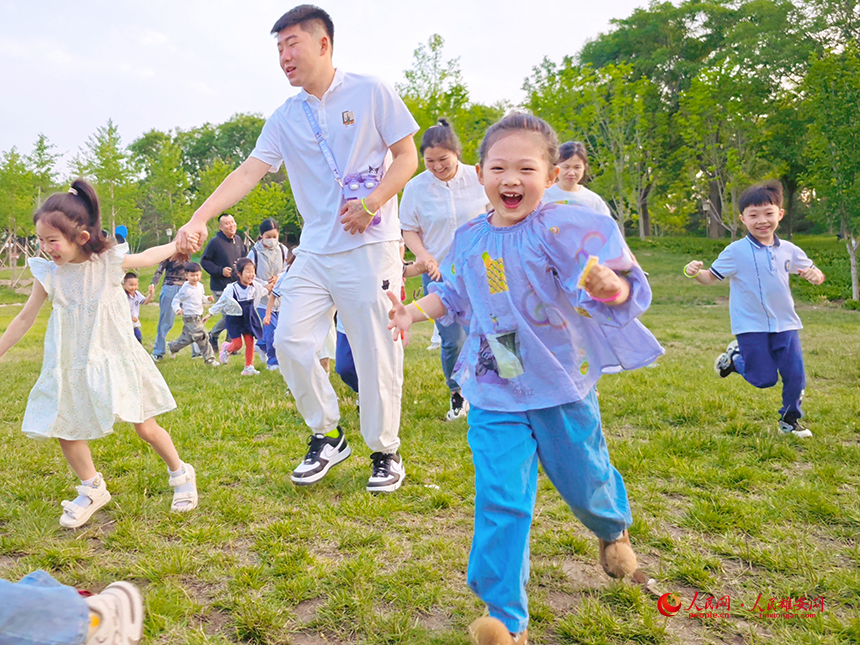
{"x": 187, "y": 501}
{"x": 75, "y": 515}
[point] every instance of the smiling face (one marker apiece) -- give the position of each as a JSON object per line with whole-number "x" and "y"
{"x": 247, "y": 275}
{"x": 193, "y": 277}
{"x": 443, "y": 163}
{"x": 570, "y": 173}
{"x": 303, "y": 55}
{"x": 762, "y": 221}
{"x": 55, "y": 244}
{"x": 515, "y": 174}
{"x": 131, "y": 285}
{"x": 228, "y": 226}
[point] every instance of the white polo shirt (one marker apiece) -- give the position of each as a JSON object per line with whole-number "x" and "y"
{"x": 583, "y": 197}
{"x": 360, "y": 117}
{"x": 759, "y": 294}
{"x": 436, "y": 209}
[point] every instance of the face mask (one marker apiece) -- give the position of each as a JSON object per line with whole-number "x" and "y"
{"x": 270, "y": 243}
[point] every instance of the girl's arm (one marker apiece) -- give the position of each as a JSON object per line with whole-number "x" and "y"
{"x": 416, "y": 245}
{"x": 25, "y": 319}
{"x": 428, "y": 308}
{"x": 149, "y": 295}
{"x": 270, "y": 306}
{"x": 148, "y": 258}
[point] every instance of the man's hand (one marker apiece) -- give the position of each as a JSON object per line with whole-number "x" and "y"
{"x": 812, "y": 274}
{"x": 602, "y": 283}
{"x": 354, "y": 218}
{"x": 401, "y": 319}
{"x": 226, "y": 272}
{"x": 191, "y": 237}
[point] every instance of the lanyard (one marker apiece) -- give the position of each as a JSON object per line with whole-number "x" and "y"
{"x": 321, "y": 142}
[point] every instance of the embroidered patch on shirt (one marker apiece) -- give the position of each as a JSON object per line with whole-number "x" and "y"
{"x": 495, "y": 274}
{"x": 348, "y": 117}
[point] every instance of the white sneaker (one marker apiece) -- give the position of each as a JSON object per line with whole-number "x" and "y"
{"x": 250, "y": 371}
{"x": 223, "y": 355}
{"x": 119, "y": 609}
{"x": 388, "y": 473}
{"x": 433, "y": 346}
{"x": 459, "y": 407}
{"x": 273, "y": 368}
{"x": 261, "y": 354}
{"x": 323, "y": 453}
{"x": 795, "y": 429}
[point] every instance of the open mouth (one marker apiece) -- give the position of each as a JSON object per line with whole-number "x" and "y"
{"x": 511, "y": 200}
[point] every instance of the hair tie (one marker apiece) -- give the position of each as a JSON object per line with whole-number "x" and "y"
{"x": 73, "y": 191}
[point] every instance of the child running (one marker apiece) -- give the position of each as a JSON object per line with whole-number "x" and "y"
{"x": 93, "y": 372}
{"x": 761, "y": 308}
{"x": 239, "y": 303}
{"x": 573, "y": 168}
{"x": 188, "y": 303}
{"x": 130, "y": 283}
{"x": 537, "y": 344}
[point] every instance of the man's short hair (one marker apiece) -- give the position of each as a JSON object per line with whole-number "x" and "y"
{"x": 223, "y": 215}
{"x": 764, "y": 194}
{"x": 302, "y": 16}
{"x": 192, "y": 267}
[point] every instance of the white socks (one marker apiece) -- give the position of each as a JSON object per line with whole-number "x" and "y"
{"x": 82, "y": 501}
{"x": 187, "y": 487}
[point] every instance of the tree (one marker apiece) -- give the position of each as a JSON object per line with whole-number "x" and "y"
{"x": 434, "y": 87}
{"x": 42, "y": 163}
{"x": 833, "y": 107}
{"x": 110, "y": 166}
{"x": 17, "y": 195}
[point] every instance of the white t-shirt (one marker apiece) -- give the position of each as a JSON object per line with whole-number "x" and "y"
{"x": 436, "y": 209}
{"x": 583, "y": 197}
{"x": 134, "y": 302}
{"x": 189, "y": 299}
{"x": 360, "y": 117}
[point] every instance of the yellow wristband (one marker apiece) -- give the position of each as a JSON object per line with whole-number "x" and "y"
{"x": 366, "y": 209}
{"x": 688, "y": 275}
{"x": 418, "y": 307}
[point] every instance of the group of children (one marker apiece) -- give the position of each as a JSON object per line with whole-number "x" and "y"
{"x": 550, "y": 295}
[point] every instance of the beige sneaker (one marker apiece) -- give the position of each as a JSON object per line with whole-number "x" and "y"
{"x": 491, "y": 631}
{"x": 116, "y": 615}
{"x": 618, "y": 560}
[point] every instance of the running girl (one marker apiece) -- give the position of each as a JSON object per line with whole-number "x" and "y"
{"x": 94, "y": 373}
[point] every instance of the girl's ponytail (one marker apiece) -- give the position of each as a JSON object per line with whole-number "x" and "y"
{"x": 83, "y": 191}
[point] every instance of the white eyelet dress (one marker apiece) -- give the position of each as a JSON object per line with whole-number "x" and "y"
{"x": 94, "y": 372}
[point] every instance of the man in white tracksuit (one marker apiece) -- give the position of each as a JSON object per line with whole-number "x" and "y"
{"x": 349, "y": 252}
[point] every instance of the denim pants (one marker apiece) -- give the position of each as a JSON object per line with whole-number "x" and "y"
{"x": 38, "y": 610}
{"x": 267, "y": 342}
{"x": 166, "y": 317}
{"x": 763, "y": 355}
{"x": 453, "y": 338}
{"x": 506, "y": 447}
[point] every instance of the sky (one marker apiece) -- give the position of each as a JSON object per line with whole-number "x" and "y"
{"x": 67, "y": 67}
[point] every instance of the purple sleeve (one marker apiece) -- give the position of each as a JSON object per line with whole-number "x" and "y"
{"x": 452, "y": 290}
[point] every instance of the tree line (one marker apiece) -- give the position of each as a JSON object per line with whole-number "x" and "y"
{"x": 681, "y": 106}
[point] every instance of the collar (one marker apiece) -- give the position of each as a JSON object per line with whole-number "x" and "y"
{"x": 758, "y": 244}
{"x": 227, "y": 239}
{"x": 457, "y": 175}
{"x": 335, "y": 82}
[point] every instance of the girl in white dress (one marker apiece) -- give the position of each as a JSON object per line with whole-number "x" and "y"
{"x": 94, "y": 372}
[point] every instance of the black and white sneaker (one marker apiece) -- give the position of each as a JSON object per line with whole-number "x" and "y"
{"x": 725, "y": 363}
{"x": 459, "y": 407}
{"x": 792, "y": 426}
{"x": 388, "y": 472}
{"x": 323, "y": 453}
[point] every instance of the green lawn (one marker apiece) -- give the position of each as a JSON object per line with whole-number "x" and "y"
{"x": 722, "y": 503}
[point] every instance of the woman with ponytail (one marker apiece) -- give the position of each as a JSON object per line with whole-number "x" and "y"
{"x": 435, "y": 204}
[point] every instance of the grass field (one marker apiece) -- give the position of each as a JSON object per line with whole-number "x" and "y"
{"x": 723, "y": 505}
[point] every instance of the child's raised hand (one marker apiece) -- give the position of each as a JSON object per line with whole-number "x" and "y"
{"x": 605, "y": 285}
{"x": 812, "y": 274}
{"x": 151, "y": 289}
{"x": 693, "y": 268}
{"x": 401, "y": 319}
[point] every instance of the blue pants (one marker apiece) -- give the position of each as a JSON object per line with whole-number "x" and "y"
{"x": 166, "y": 317}
{"x": 138, "y": 334}
{"x": 38, "y": 610}
{"x": 453, "y": 338}
{"x": 506, "y": 447}
{"x": 763, "y": 355}
{"x": 266, "y": 343}
{"x": 344, "y": 364}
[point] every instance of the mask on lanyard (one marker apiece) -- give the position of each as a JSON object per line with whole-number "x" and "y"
{"x": 270, "y": 243}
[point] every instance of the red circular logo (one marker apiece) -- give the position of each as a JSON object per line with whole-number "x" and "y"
{"x": 669, "y": 604}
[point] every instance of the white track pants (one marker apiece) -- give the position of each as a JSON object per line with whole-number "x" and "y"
{"x": 352, "y": 282}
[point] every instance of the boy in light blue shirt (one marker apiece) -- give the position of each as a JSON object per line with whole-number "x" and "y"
{"x": 764, "y": 321}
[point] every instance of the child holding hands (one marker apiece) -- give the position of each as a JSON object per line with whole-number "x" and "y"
{"x": 93, "y": 372}
{"x": 130, "y": 284}
{"x": 764, "y": 321}
{"x": 536, "y": 346}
